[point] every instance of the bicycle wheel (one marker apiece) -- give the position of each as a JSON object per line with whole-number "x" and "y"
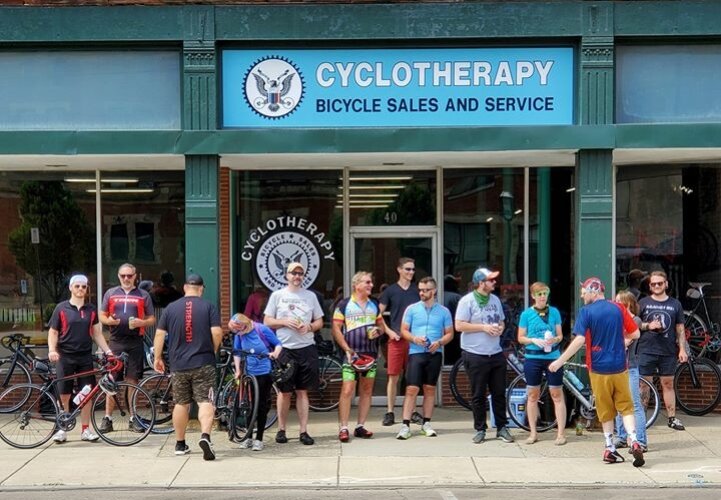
{"x": 696, "y": 331}
{"x": 245, "y": 408}
{"x": 273, "y": 412}
{"x": 330, "y": 379}
{"x": 11, "y": 375}
{"x": 650, "y": 400}
{"x": 703, "y": 396}
{"x": 131, "y": 403}
{"x": 460, "y": 385}
{"x": 516, "y": 406}
{"x": 160, "y": 389}
{"x": 33, "y": 422}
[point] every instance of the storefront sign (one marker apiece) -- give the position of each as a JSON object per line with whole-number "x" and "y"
{"x": 397, "y": 88}
{"x": 284, "y": 239}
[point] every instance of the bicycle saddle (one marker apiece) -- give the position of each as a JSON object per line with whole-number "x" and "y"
{"x": 698, "y": 284}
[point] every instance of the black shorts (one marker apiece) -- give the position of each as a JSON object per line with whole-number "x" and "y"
{"x": 662, "y": 365}
{"x": 305, "y": 375}
{"x": 70, "y": 365}
{"x": 423, "y": 368}
{"x": 135, "y": 349}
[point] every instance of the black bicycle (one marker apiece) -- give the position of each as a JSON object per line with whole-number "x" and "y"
{"x": 19, "y": 367}
{"x": 697, "y": 384}
{"x": 702, "y": 334}
{"x": 460, "y": 385}
{"x": 38, "y": 414}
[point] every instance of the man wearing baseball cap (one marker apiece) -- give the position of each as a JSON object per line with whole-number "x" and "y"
{"x": 295, "y": 314}
{"x": 480, "y": 319}
{"x": 606, "y": 328}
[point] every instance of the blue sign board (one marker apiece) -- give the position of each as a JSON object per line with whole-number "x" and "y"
{"x": 398, "y": 87}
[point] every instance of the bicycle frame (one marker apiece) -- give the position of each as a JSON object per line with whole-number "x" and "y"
{"x": 15, "y": 344}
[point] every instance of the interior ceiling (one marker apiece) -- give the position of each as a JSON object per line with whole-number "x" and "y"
{"x": 372, "y": 161}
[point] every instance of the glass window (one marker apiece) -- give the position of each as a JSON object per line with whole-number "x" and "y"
{"x": 283, "y": 217}
{"x": 92, "y": 90}
{"x": 34, "y": 276}
{"x": 668, "y": 83}
{"x": 668, "y": 218}
{"x": 392, "y": 198}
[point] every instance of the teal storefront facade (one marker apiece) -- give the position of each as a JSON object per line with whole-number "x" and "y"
{"x": 524, "y": 170}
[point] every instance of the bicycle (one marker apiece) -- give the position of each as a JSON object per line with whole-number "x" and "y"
{"x": 460, "y": 386}
{"x": 702, "y": 334}
{"x": 19, "y": 367}
{"x": 39, "y": 415}
{"x": 160, "y": 389}
{"x": 326, "y": 396}
{"x": 697, "y": 384}
{"x": 585, "y": 404}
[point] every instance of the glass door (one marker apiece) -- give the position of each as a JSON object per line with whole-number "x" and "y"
{"x": 377, "y": 251}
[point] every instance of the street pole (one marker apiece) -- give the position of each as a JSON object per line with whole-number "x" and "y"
{"x": 35, "y": 240}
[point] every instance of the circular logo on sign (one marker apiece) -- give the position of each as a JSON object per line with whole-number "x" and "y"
{"x": 274, "y": 87}
{"x": 279, "y": 250}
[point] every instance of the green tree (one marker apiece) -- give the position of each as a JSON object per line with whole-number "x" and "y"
{"x": 65, "y": 236}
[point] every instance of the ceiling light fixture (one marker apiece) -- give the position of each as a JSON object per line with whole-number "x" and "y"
{"x": 121, "y": 191}
{"x": 107, "y": 181}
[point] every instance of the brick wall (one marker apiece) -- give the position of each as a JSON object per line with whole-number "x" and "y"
{"x": 224, "y": 224}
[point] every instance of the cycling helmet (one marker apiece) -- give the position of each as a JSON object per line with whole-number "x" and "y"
{"x": 108, "y": 385}
{"x": 363, "y": 363}
{"x": 282, "y": 372}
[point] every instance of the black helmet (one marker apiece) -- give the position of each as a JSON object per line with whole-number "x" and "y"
{"x": 108, "y": 385}
{"x": 282, "y": 372}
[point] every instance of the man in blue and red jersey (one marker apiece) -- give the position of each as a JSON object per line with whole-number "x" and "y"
{"x": 606, "y": 328}
{"x": 126, "y": 310}
{"x": 73, "y": 327}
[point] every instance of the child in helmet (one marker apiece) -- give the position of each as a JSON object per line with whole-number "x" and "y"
{"x": 258, "y": 339}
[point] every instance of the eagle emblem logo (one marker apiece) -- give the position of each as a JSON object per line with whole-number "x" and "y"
{"x": 274, "y": 87}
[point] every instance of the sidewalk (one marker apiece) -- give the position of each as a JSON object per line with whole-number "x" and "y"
{"x": 676, "y": 459}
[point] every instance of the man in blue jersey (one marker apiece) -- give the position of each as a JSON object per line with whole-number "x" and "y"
{"x": 606, "y": 328}
{"x": 427, "y": 326}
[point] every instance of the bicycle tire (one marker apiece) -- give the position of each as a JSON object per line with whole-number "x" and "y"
{"x": 273, "y": 412}
{"x": 326, "y": 396}
{"x": 160, "y": 389}
{"x": 11, "y": 375}
{"x": 546, "y": 410}
{"x": 126, "y": 397}
{"x": 652, "y": 403}
{"x": 696, "y": 332}
{"x": 703, "y": 398}
{"x": 461, "y": 395}
{"x": 245, "y": 409}
{"x": 33, "y": 422}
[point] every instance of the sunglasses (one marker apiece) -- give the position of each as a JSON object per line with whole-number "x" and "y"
{"x": 126, "y": 276}
{"x": 656, "y": 283}
{"x": 80, "y": 286}
{"x": 409, "y": 269}
{"x": 543, "y": 293}
{"x": 423, "y": 290}
{"x": 297, "y": 273}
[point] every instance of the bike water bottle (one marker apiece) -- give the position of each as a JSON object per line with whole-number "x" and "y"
{"x": 547, "y": 336}
{"x": 573, "y": 379}
{"x": 80, "y": 396}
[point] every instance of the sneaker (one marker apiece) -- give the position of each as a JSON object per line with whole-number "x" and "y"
{"x": 246, "y": 444}
{"x": 344, "y": 436}
{"x": 135, "y": 426}
{"x": 257, "y": 445}
{"x": 389, "y": 419}
{"x": 620, "y": 443}
{"x": 637, "y": 452}
{"x": 643, "y": 447}
{"x": 181, "y": 449}
{"x": 280, "y": 437}
{"x": 504, "y": 435}
{"x": 612, "y": 457}
{"x": 404, "y": 433}
{"x": 207, "y": 447}
{"x": 675, "y": 424}
{"x": 88, "y": 435}
{"x": 60, "y": 437}
{"x": 362, "y": 432}
{"x": 427, "y": 430}
{"x": 106, "y": 425}
{"x": 306, "y": 439}
{"x": 479, "y": 437}
{"x": 417, "y": 418}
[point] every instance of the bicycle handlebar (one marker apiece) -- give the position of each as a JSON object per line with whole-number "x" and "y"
{"x": 7, "y": 340}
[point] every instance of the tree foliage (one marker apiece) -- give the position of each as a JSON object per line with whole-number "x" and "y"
{"x": 65, "y": 236}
